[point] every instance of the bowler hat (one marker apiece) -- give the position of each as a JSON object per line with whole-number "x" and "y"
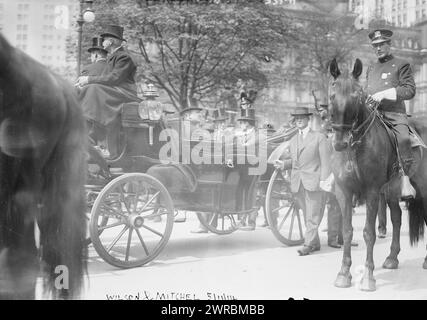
{"x": 113, "y": 31}
{"x": 219, "y": 115}
{"x": 380, "y": 35}
{"x": 97, "y": 45}
{"x": 323, "y": 106}
{"x": 301, "y": 111}
{"x": 247, "y": 115}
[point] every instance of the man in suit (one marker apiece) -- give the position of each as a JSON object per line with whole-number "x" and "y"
{"x": 103, "y": 95}
{"x": 309, "y": 164}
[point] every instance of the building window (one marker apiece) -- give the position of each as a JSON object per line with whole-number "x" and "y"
{"x": 24, "y": 37}
{"x": 24, "y": 47}
{"x": 404, "y": 19}
{"x": 25, "y": 27}
{"x": 423, "y": 13}
{"x": 26, "y": 7}
{"x": 18, "y": 37}
{"x": 19, "y": 27}
{"x": 417, "y": 15}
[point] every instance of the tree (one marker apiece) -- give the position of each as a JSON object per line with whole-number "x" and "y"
{"x": 193, "y": 49}
{"x": 325, "y": 37}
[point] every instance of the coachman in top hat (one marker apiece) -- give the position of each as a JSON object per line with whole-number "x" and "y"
{"x": 103, "y": 95}
{"x": 389, "y": 82}
{"x": 98, "y": 57}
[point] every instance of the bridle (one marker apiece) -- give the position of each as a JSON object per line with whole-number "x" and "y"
{"x": 362, "y": 129}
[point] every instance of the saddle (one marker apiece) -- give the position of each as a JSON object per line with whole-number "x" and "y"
{"x": 417, "y": 144}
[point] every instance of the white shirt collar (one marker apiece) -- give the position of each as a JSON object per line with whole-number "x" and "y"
{"x": 304, "y": 131}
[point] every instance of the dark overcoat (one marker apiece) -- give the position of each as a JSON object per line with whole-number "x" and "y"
{"x": 104, "y": 95}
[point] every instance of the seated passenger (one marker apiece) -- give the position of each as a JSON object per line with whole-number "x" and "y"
{"x": 98, "y": 58}
{"x": 102, "y": 96}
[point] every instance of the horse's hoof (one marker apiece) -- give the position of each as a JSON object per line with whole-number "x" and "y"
{"x": 367, "y": 284}
{"x": 343, "y": 281}
{"x": 390, "y": 263}
{"x": 425, "y": 264}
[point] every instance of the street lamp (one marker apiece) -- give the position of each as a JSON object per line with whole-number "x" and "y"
{"x": 86, "y": 14}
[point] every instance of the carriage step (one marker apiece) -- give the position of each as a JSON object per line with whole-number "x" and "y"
{"x": 116, "y": 171}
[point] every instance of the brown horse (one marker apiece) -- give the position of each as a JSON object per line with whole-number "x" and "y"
{"x": 42, "y": 173}
{"x": 364, "y": 163}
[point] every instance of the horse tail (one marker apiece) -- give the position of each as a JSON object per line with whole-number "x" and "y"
{"x": 416, "y": 218}
{"x": 63, "y": 222}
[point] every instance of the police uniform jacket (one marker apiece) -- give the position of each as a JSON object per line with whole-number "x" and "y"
{"x": 387, "y": 73}
{"x": 309, "y": 161}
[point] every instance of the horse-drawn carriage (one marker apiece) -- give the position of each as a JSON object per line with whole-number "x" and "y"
{"x": 127, "y": 194}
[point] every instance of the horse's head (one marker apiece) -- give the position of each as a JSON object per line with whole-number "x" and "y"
{"x": 346, "y": 99}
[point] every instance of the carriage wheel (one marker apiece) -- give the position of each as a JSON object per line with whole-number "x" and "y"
{"x": 283, "y": 214}
{"x": 218, "y": 223}
{"x": 130, "y": 238}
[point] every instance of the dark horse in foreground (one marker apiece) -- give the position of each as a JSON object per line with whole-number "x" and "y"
{"x": 364, "y": 165}
{"x": 42, "y": 173}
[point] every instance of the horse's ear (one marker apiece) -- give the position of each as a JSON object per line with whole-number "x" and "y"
{"x": 333, "y": 69}
{"x": 357, "y": 69}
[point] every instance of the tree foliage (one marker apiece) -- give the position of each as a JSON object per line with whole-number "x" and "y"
{"x": 192, "y": 49}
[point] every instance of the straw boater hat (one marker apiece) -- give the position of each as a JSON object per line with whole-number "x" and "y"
{"x": 113, "y": 31}
{"x": 219, "y": 115}
{"x": 150, "y": 91}
{"x": 301, "y": 111}
{"x": 97, "y": 45}
{"x": 380, "y": 35}
{"x": 247, "y": 115}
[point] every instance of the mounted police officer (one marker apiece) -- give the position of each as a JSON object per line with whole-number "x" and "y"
{"x": 389, "y": 82}
{"x": 102, "y": 96}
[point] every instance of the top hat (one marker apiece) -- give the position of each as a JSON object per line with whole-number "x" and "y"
{"x": 219, "y": 115}
{"x": 150, "y": 91}
{"x": 113, "y": 31}
{"x": 380, "y": 35}
{"x": 247, "y": 115}
{"x": 97, "y": 45}
{"x": 301, "y": 111}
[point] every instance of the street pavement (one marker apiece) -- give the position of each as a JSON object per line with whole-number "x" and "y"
{"x": 254, "y": 265}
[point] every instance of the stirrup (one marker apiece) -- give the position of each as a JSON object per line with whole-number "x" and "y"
{"x": 407, "y": 190}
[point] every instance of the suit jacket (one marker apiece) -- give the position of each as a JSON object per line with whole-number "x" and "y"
{"x": 95, "y": 69}
{"x": 309, "y": 161}
{"x": 120, "y": 72}
{"x": 388, "y": 73}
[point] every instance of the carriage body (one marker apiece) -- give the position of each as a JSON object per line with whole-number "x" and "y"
{"x": 137, "y": 186}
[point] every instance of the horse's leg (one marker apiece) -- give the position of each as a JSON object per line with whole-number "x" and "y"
{"x": 368, "y": 281}
{"x": 382, "y": 217}
{"x": 391, "y": 261}
{"x": 343, "y": 279}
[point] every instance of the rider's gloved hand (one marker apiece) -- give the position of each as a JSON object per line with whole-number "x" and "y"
{"x": 389, "y": 94}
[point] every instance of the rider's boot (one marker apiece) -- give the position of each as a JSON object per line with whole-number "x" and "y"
{"x": 407, "y": 190}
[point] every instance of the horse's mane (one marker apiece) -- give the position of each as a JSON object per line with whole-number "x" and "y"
{"x": 42, "y": 170}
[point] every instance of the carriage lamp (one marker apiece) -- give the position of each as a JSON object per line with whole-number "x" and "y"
{"x": 86, "y": 14}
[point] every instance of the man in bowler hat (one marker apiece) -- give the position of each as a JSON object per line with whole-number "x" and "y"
{"x": 309, "y": 164}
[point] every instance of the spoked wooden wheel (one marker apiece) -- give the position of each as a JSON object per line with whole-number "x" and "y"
{"x": 283, "y": 214}
{"x": 219, "y": 223}
{"x": 131, "y": 238}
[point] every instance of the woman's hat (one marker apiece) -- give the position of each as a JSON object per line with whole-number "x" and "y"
{"x": 182, "y": 112}
{"x": 301, "y": 111}
{"x": 113, "y": 31}
{"x": 97, "y": 45}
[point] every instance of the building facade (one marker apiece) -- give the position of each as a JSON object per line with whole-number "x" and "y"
{"x": 40, "y": 28}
